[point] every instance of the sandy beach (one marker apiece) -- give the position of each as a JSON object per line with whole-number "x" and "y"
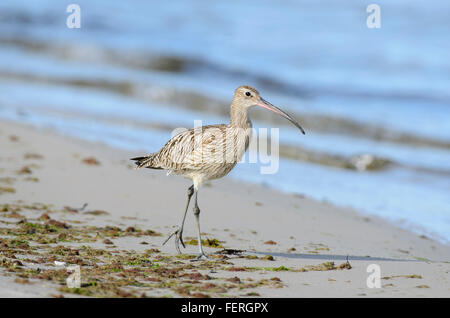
{"x": 262, "y": 242}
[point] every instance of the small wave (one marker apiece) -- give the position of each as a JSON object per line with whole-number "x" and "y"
{"x": 162, "y": 62}
{"x": 191, "y": 100}
{"x": 363, "y": 162}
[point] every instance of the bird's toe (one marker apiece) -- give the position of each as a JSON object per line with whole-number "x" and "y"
{"x": 200, "y": 256}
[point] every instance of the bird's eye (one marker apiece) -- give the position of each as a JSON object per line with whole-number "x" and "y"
{"x": 248, "y": 94}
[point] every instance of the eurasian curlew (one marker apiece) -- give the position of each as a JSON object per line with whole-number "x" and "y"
{"x": 209, "y": 152}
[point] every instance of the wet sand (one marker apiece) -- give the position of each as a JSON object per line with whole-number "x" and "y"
{"x": 289, "y": 245}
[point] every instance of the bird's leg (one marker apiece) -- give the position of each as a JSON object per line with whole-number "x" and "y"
{"x": 197, "y": 219}
{"x": 179, "y": 232}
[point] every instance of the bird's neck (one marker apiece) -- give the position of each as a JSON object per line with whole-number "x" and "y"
{"x": 239, "y": 117}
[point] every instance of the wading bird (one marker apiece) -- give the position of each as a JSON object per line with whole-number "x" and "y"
{"x": 209, "y": 152}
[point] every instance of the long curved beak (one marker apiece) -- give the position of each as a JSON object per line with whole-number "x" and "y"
{"x": 265, "y": 104}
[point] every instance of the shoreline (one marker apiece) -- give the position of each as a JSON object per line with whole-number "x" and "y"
{"x": 298, "y": 232}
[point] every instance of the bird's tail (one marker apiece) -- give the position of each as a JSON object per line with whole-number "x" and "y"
{"x": 145, "y": 162}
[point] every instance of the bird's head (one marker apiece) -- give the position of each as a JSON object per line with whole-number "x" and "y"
{"x": 247, "y": 96}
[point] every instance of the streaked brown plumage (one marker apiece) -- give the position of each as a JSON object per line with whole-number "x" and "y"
{"x": 209, "y": 152}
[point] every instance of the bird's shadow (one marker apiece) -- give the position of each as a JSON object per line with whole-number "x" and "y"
{"x": 331, "y": 257}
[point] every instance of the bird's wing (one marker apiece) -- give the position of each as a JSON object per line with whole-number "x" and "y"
{"x": 192, "y": 149}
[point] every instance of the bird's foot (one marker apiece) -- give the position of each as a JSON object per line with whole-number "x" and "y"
{"x": 178, "y": 239}
{"x": 200, "y": 256}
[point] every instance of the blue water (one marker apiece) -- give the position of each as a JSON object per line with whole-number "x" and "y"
{"x": 318, "y": 60}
